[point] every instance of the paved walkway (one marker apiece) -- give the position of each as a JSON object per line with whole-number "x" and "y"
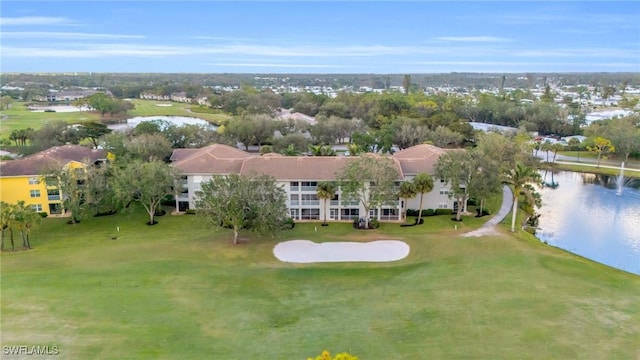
{"x": 489, "y": 228}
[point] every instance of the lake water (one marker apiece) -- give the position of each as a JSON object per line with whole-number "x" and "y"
{"x": 586, "y": 216}
{"x": 176, "y": 120}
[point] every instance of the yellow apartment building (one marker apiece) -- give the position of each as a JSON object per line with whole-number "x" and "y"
{"x": 25, "y": 179}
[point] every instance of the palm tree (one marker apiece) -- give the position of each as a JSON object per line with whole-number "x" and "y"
{"x": 325, "y": 191}
{"x": 519, "y": 178}
{"x": 407, "y": 191}
{"x": 5, "y": 220}
{"x": 25, "y": 218}
{"x": 423, "y": 183}
{"x": 290, "y": 151}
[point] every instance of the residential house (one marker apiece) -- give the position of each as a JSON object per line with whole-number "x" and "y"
{"x": 66, "y": 96}
{"x": 22, "y": 179}
{"x": 300, "y": 175}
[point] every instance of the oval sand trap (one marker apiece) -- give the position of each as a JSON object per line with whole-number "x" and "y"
{"x": 305, "y": 251}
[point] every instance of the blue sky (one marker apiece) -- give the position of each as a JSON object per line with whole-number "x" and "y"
{"x": 319, "y": 37}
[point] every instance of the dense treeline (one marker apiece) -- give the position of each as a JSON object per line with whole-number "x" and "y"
{"x": 128, "y": 84}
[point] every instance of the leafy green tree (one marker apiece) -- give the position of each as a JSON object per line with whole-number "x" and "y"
{"x": 406, "y": 191}
{"x": 601, "y": 147}
{"x": 369, "y": 179}
{"x": 458, "y": 169}
{"x": 325, "y": 191}
{"x": 406, "y": 83}
{"x": 98, "y": 192}
{"x": 255, "y": 203}
{"x": 520, "y": 179}
{"x": 624, "y": 134}
{"x": 5, "y": 102}
{"x": 94, "y": 131}
{"x": 70, "y": 184}
{"x": 145, "y": 182}
{"x": 149, "y": 147}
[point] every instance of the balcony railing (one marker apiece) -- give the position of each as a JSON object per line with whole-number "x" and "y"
{"x": 295, "y": 202}
{"x": 294, "y": 188}
{"x": 183, "y": 196}
{"x": 53, "y": 197}
{"x": 310, "y": 202}
{"x": 309, "y": 188}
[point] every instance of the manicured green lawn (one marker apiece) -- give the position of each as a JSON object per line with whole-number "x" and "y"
{"x": 178, "y": 290}
{"x": 19, "y": 117}
{"x": 151, "y": 108}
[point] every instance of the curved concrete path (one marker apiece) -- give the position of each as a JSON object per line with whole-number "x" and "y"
{"x": 489, "y": 227}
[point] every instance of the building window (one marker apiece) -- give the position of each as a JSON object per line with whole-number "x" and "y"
{"x": 443, "y": 206}
{"x": 53, "y": 194}
{"x": 310, "y": 214}
{"x": 444, "y": 192}
{"x": 51, "y": 181}
{"x": 349, "y": 214}
{"x": 293, "y": 213}
{"x": 309, "y": 185}
{"x": 36, "y": 207}
{"x": 33, "y": 181}
{"x": 294, "y": 186}
{"x": 34, "y": 193}
{"x": 310, "y": 199}
{"x": 441, "y": 180}
{"x": 294, "y": 199}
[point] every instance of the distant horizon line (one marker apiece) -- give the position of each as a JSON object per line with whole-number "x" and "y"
{"x": 312, "y": 73}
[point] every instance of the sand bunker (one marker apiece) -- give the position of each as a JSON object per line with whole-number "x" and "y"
{"x": 305, "y": 251}
{"x": 165, "y": 105}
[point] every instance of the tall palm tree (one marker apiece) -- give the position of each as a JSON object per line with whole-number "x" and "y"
{"x": 325, "y": 191}
{"x": 520, "y": 178}
{"x": 407, "y": 191}
{"x": 5, "y": 220}
{"x": 423, "y": 183}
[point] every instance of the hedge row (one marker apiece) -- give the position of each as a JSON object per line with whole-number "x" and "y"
{"x": 429, "y": 212}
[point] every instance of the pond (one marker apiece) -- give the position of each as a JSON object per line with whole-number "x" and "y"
{"x": 175, "y": 120}
{"x": 587, "y": 215}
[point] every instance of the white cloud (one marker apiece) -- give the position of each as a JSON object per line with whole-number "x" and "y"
{"x": 276, "y": 65}
{"x": 581, "y": 53}
{"x": 473, "y": 39}
{"x": 64, "y": 35}
{"x": 34, "y": 20}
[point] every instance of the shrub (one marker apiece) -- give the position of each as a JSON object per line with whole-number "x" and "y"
{"x": 42, "y": 214}
{"x": 190, "y": 211}
{"x": 484, "y": 212}
{"x": 412, "y": 212}
{"x": 428, "y": 212}
{"x": 472, "y": 202}
{"x": 327, "y": 356}
{"x": 374, "y": 224}
{"x": 168, "y": 201}
{"x": 443, "y": 212}
{"x": 288, "y": 224}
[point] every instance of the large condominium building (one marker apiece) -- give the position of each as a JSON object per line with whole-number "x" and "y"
{"x": 25, "y": 179}
{"x": 300, "y": 175}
